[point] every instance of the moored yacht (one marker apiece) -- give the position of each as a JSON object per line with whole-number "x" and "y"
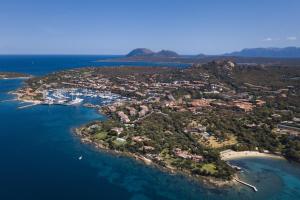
{"x": 75, "y": 101}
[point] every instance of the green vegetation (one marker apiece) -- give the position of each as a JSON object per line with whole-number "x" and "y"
{"x": 209, "y": 168}
{"x": 181, "y": 119}
{"x": 101, "y": 135}
{"x": 12, "y": 75}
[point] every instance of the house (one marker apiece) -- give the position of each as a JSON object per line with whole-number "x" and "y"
{"x": 195, "y": 127}
{"x": 117, "y": 130}
{"x": 144, "y": 110}
{"x": 132, "y": 111}
{"x": 260, "y": 102}
{"x": 243, "y": 105}
{"x": 123, "y": 117}
{"x": 140, "y": 138}
{"x": 186, "y": 155}
{"x": 200, "y": 103}
{"x": 112, "y": 108}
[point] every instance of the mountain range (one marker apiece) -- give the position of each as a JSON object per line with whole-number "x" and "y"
{"x": 287, "y": 52}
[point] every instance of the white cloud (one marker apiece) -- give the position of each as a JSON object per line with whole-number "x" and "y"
{"x": 269, "y": 39}
{"x": 291, "y": 38}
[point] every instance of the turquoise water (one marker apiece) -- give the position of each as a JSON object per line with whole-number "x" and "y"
{"x": 39, "y": 160}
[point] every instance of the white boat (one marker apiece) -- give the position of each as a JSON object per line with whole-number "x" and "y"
{"x": 80, "y": 158}
{"x": 58, "y": 95}
{"x": 49, "y": 101}
{"x": 61, "y": 101}
{"x": 78, "y": 94}
{"x": 75, "y": 101}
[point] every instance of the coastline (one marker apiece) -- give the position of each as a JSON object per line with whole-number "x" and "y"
{"x": 207, "y": 179}
{"x": 232, "y": 155}
{"x": 21, "y": 99}
{"x": 210, "y": 182}
{"x": 147, "y": 61}
{"x": 12, "y": 78}
{"x": 13, "y": 75}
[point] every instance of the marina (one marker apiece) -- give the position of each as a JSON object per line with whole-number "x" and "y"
{"x": 75, "y": 97}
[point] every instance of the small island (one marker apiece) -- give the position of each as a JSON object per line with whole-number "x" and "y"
{"x": 183, "y": 119}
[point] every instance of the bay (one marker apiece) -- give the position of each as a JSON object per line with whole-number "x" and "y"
{"x": 39, "y": 153}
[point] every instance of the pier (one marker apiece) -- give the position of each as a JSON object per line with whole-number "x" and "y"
{"x": 247, "y": 184}
{"x": 7, "y": 100}
{"x": 26, "y": 106}
{"x": 234, "y": 166}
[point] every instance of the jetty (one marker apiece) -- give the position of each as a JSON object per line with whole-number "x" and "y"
{"x": 26, "y": 106}
{"x": 247, "y": 184}
{"x": 7, "y": 100}
{"x": 234, "y": 166}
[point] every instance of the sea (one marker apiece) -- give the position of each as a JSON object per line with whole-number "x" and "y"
{"x": 39, "y": 154}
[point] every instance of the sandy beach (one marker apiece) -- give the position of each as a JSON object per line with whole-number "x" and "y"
{"x": 230, "y": 155}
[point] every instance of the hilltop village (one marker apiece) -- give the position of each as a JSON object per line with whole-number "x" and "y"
{"x": 182, "y": 118}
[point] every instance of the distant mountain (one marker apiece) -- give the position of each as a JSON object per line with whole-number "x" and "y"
{"x": 143, "y": 52}
{"x": 140, "y": 52}
{"x": 260, "y": 55}
{"x": 201, "y": 55}
{"x": 288, "y": 52}
{"x": 166, "y": 53}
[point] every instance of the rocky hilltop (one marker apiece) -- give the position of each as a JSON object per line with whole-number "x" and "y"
{"x": 140, "y": 52}
{"x": 143, "y": 52}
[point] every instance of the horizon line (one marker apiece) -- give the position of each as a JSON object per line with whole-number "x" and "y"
{"x": 105, "y": 54}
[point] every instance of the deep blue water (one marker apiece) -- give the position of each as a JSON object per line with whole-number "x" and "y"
{"x": 39, "y": 155}
{"x": 42, "y": 64}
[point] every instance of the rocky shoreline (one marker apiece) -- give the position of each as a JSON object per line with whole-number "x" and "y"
{"x": 209, "y": 182}
{"x": 13, "y": 75}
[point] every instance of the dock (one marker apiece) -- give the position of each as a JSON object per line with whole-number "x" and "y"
{"x": 234, "y": 166}
{"x": 7, "y": 100}
{"x": 26, "y": 106}
{"x": 247, "y": 184}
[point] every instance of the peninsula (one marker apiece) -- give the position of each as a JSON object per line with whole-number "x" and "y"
{"x": 182, "y": 119}
{"x": 10, "y": 75}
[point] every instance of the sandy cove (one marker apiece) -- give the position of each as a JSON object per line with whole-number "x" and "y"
{"x": 231, "y": 155}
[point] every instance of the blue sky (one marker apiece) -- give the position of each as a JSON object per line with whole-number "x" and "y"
{"x": 118, "y": 26}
